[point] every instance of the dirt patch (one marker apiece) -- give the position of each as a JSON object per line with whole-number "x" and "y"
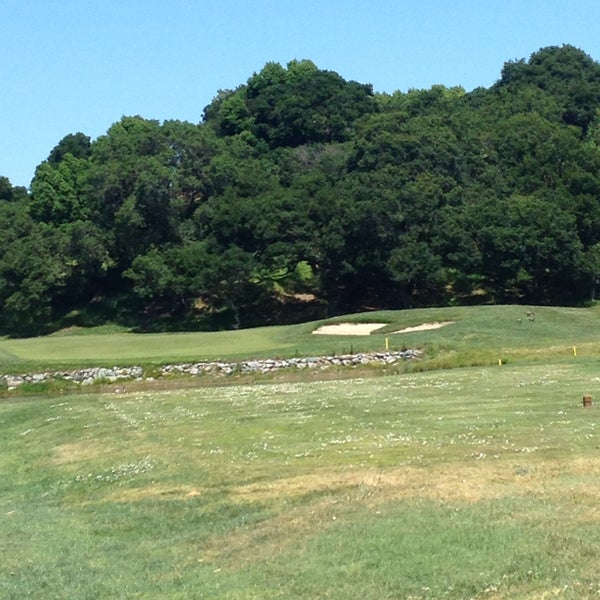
{"x": 424, "y": 327}
{"x": 349, "y": 329}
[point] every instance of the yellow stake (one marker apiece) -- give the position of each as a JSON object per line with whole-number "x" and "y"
{"x": 387, "y": 343}
{"x": 500, "y": 362}
{"x": 574, "y": 350}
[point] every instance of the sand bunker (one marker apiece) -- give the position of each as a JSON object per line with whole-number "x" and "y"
{"x": 349, "y": 329}
{"x": 368, "y": 328}
{"x": 424, "y": 326}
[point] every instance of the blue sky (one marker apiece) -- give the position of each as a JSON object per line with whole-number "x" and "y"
{"x": 79, "y": 65}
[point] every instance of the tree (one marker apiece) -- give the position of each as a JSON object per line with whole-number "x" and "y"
{"x": 60, "y": 192}
{"x": 77, "y": 145}
{"x": 34, "y": 269}
{"x": 9, "y": 193}
{"x": 530, "y": 250}
{"x": 299, "y": 180}
{"x": 566, "y": 73}
{"x": 292, "y": 106}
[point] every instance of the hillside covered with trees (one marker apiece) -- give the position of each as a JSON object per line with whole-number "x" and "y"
{"x": 301, "y": 194}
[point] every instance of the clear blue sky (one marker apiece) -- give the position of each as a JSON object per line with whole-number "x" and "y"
{"x": 79, "y": 65}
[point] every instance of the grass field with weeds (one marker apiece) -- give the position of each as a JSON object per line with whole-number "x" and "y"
{"x": 479, "y": 482}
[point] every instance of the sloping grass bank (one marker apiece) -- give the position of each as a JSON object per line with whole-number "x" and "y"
{"x": 478, "y": 335}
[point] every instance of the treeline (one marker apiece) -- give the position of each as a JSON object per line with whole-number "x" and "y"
{"x": 301, "y": 194}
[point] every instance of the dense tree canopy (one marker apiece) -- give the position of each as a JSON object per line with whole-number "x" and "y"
{"x": 302, "y": 194}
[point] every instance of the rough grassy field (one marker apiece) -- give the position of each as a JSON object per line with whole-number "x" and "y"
{"x": 464, "y": 483}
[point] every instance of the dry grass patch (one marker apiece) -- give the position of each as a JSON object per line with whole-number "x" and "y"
{"x": 154, "y": 492}
{"x": 76, "y": 452}
{"x": 306, "y": 505}
{"x": 251, "y": 543}
{"x": 446, "y": 483}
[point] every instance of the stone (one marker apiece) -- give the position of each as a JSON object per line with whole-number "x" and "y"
{"x": 90, "y": 376}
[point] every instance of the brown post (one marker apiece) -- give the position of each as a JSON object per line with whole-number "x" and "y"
{"x": 587, "y": 401}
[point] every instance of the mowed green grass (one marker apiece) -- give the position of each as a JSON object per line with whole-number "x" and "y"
{"x": 479, "y": 482}
{"x": 478, "y": 335}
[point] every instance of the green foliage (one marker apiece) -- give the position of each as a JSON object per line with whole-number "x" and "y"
{"x": 428, "y": 197}
{"x": 9, "y": 193}
{"x": 77, "y": 145}
{"x": 292, "y": 106}
{"x": 60, "y": 191}
{"x": 567, "y": 73}
{"x": 33, "y": 274}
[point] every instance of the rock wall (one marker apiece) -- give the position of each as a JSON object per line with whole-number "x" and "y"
{"x": 136, "y": 373}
